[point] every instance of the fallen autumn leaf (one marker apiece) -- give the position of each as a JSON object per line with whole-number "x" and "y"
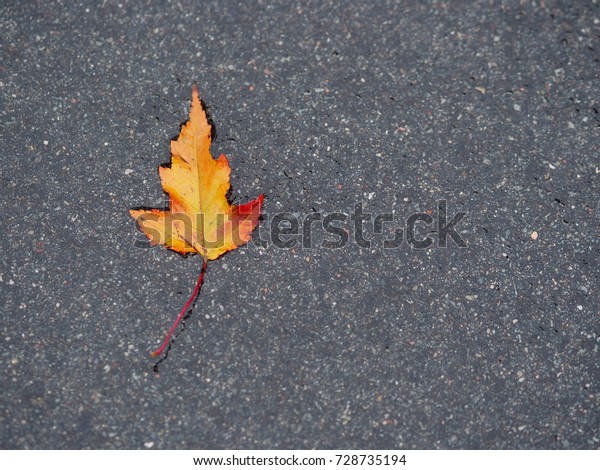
{"x": 199, "y": 219}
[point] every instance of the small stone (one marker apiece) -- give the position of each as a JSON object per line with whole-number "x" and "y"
{"x": 534, "y": 235}
{"x": 128, "y": 171}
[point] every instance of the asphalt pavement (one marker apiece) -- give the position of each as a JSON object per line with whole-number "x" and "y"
{"x": 425, "y": 275}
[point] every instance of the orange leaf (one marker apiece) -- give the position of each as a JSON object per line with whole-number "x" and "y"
{"x": 200, "y": 218}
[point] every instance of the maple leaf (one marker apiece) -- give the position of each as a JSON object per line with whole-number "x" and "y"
{"x": 199, "y": 219}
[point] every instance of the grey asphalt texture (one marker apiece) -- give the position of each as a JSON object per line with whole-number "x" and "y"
{"x": 490, "y": 106}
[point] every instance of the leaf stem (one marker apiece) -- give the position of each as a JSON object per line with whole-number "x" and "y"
{"x": 184, "y": 310}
